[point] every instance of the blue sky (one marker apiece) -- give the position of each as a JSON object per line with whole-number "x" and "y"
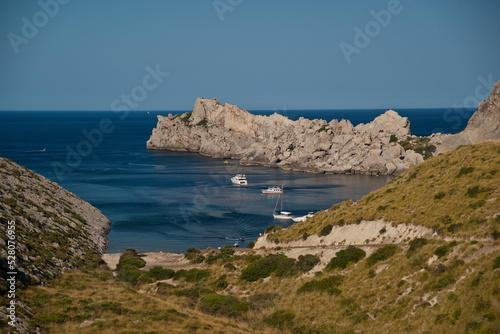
{"x": 259, "y": 54}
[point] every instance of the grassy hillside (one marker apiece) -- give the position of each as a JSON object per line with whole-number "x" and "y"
{"x": 446, "y": 284}
{"x": 456, "y": 193}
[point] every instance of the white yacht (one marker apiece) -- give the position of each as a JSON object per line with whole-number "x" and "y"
{"x": 239, "y": 179}
{"x": 282, "y": 214}
{"x": 272, "y": 190}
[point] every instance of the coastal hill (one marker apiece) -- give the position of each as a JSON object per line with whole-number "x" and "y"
{"x": 54, "y": 230}
{"x": 227, "y": 131}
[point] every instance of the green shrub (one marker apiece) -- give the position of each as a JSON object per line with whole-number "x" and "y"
{"x": 465, "y": 171}
{"x": 495, "y": 235}
{"x": 415, "y": 245}
{"x": 273, "y": 228}
{"x": 473, "y": 192}
{"x": 251, "y": 244}
{"x": 193, "y": 275}
{"x": 131, "y": 261}
{"x": 186, "y": 118}
{"x": 307, "y": 262}
{"x": 199, "y": 259}
{"x": 381, "y": 254}
{"x": 443, "y": 282}
{"x": 326, "y": 230}
{"x": 281, "y": 265}
{"x": 286, "y": 268}
{"x": 203, "y": 122}
{"x": 262, "y": 268}
{"x": 443, "y": 250}
{"x": 343, "y": 257}
{"x": 328, "y": 285}
{"x": 440, "y": 195}
{"x": 192, "y": 253}
{"x": 220, "y": 284}
{"x": 159, "y": 273}
{"x": 193, "y": 293}
{"x": 280, "y": 319}
{"x": 393, "y": 139}
{"x": 226, "y": 252}
{"x": 225, "y": 306}
{"x": 129, "y": 274}
{"x": 496, "y": 263}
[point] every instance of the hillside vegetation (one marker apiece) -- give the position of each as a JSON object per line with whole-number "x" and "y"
{"x": 456, "y": 193}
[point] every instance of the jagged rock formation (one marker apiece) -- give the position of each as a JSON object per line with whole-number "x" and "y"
{"x": 484, "y": 125}
{"x": 54, "y": 229}
{"x": 227, "y": 131}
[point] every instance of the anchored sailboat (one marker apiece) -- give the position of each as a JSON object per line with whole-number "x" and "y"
{"x": 282, "y": 214}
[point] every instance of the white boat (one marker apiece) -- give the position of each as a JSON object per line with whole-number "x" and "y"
{"x": 239, "y": 179}
{"x": 272, "y": 190}
{"x": 282, "y": 214}
{"x": 301, "y": 219}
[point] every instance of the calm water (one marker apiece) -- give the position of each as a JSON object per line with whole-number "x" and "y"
{"x": 160, "y": 200}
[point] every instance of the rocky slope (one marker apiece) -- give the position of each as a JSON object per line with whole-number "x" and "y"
{"x": 484, "y": 125}
{"x": 227, "y": 131}
{"x": 54, "y": 229}
{"x": 53, "y": 226}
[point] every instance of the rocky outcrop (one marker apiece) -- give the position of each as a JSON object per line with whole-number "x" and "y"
{"x": 484, "y": 125}
{"x": 54, "y": 229}
{"x": 227, "y": 131}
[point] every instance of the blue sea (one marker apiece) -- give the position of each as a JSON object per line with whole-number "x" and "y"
{"x": 169, "y": 201}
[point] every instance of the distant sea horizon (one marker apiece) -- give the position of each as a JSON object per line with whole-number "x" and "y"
{"x": 169, "y": 201}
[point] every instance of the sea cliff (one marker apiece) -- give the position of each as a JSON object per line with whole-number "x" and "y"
{"x": 229, "y": 132}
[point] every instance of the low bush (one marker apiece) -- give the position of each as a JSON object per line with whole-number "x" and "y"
{"x": 220, "y": 284}
{"x": 193, "y": 275}
{"x": 251, "y": 244}
{"x": 281, "y": 319}
{"x": 224, "y": 306}
{"x": 273, "y": 228}
{"x": 131, "y": 261}
{"x": 159, "y": 273}
{"x": 307, "y": 262}
{"x": 129, "y": 274}
{"x": 381, "y": 254}
{"x": 443, "y": 250}
{"x": 192, "y": 253}
{"x": 415, "y": 245}
{"x": 343, "y": 257}
{"x": 326, "y": 230}
{"x": 281, "y": 265}
{"x": 496, "y": 263}
{"x": 465, "y": 171}
{"x": 262, "y": 268}
{"x": 328, "y": 285}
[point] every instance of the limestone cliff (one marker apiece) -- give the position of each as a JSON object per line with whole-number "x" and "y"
{"x": 54, "y": 229}
{"x": 227, "y": 131}
{"x": 484, "y": 125}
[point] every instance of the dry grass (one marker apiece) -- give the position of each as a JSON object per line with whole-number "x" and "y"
{"x": 456, "y": 193}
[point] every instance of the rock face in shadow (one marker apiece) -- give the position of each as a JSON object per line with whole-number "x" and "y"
{"x": 229, "y": 132}
{"x": 484, "y": 125}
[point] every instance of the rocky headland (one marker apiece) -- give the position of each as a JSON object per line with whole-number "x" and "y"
{"x": 383, "y": 146}
{"x": 229, "y": 132}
